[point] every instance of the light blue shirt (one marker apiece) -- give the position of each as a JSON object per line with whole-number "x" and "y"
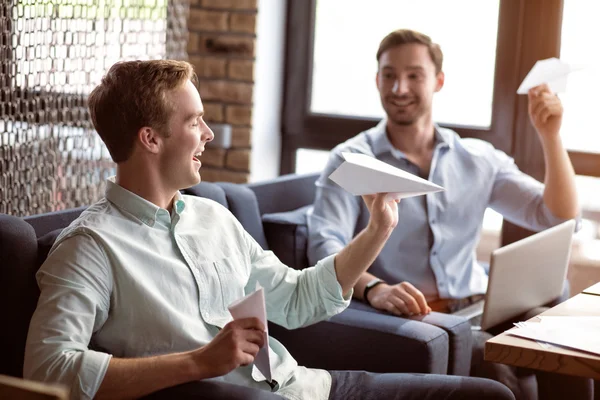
{"x": 433, "y": 246}
{"x": 128, "y": 279}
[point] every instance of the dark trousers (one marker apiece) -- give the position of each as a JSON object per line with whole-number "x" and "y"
{"x": 527, "y": 384}
{"x": 360, "y": 385}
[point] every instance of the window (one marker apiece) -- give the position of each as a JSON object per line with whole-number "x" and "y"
{"x": 308, "y": 160}
{"x": 330, "y": 94}
{"x": 344, "y": 64}
{"x": 580, "y": 128}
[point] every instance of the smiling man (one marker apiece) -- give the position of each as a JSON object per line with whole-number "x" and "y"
{"x": 429, "y": 262}
{"x": 134, "y": 293}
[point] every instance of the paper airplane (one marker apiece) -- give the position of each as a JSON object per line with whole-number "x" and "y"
{"x": 552, "y": 71}
{"x": 253, "y": 305}
{"x": 361, "y": 174}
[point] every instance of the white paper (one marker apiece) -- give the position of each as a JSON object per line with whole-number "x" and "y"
{"x": 552, "y": 71}
{"x": 361, "y": 174}
{"x": 578, "y": 333}
{"x": 253, "y": 305}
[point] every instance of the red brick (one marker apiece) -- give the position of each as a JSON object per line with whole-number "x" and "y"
{"x": 213, "y": 112}
{"x": 238, "y": 115}
{"x": 211, "y": 21}
{"x": 226, "y": 91}
{"x": 209, "y": 67}
{"x": 223, "y": 175}
{"x": 241, "y": 137}
{"x": 241, "y": 69}
{"x": 213, "y": 157}
{"x": 243, "y": 22}
{"x": 238, "y": 159}
{"x": 231, "y": 4}
{"x": 227, "y": 45}
{"x": 193, "y": 45}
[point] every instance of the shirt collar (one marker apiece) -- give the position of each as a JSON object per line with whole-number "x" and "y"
{"x": 137, "y": 206}
{"x": 381, "y": 143}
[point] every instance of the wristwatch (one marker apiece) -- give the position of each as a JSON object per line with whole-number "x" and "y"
{"x": 370, "y": 286}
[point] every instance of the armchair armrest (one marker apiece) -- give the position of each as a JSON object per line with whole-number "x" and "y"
{"x": 359, "y": 340}
{"x": 458, "y": 329}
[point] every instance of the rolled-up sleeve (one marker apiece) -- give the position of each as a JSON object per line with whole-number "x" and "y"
{"x": 519, "y": 197}
{"x": 296, "y": 298}
{"x": 332, "y": 221}
{"x": 74, "y": 302}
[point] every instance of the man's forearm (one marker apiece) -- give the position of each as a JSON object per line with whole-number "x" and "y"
{"x": 560, "y": 193}
{"x": 137, "y": 377}
{"x": 354, "y": 259}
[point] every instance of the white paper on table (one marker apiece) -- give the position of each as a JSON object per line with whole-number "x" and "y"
{"x": 361, "y": 174}
{"x": 552, "y": 71}
{"x": 253, "y": 305}
{"x": 578, "y": 333}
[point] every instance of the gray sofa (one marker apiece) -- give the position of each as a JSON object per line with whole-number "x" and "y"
{"x": 353, "y": 340}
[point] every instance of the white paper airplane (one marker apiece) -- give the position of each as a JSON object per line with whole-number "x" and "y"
{"x": 361, "y": 174}
{"x": 253, "y": 305}
{"x": 552, "y": 71}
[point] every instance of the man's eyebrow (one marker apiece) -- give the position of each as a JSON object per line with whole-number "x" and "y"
{"x": 408, "y": 67}
{"x": 194, "y": 115}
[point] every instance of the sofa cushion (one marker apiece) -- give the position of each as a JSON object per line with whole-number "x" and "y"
{"x": 287, "y": 236}
{"x": 45, "y": 243}
{"x": 45, "y": 223}
{"x": 18, "y": 290}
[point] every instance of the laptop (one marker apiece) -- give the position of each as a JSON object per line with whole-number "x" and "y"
{"x": 523, "y": 275}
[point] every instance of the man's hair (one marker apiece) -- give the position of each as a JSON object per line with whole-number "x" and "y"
{"x": 407, "y": 36}
{"x": 133, "y": 95}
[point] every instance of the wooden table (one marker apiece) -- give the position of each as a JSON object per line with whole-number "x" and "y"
{"x": 520, "y": 352}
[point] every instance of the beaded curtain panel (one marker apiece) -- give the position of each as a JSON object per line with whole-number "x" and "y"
{"x": 52, "y": 54}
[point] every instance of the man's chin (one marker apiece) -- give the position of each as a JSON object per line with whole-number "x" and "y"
{"x": 402, "y": 121}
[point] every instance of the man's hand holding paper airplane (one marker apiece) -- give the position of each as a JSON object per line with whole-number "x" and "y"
{"x": 546, "y": 78}
{"x": 363, "y": 175}
{"x": 545, "y": 111}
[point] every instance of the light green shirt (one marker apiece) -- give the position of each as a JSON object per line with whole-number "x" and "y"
{"x": 128, "y": 279}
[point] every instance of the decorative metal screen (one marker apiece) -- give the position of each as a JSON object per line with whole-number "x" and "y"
{"x": 52, "y": 54}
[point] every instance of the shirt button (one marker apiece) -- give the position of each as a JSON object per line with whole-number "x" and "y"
{"x": 434, "y": 253}
{"x": 432, "y": 221}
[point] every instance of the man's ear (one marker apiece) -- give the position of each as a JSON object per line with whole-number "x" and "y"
{"x": 149, "y": 140}
{"x": 440, "y": 81}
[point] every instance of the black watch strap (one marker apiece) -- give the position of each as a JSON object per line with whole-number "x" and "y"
{"x": 370, "y": 286}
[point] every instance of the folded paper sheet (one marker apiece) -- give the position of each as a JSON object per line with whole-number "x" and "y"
{"x": 578, "y": 333}
{"x": 253, "y": 305}
{"x": 361, "y": 174}
{"x": 552, "y": 71}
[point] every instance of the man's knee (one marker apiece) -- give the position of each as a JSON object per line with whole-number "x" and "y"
{"x": 487, "y": 389}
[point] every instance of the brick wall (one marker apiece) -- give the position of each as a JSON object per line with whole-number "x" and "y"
{"x": 221, "y": 47}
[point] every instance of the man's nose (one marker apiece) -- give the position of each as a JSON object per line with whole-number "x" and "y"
{"x": 208, "y": 135}
{"x": 400, "y": 86}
